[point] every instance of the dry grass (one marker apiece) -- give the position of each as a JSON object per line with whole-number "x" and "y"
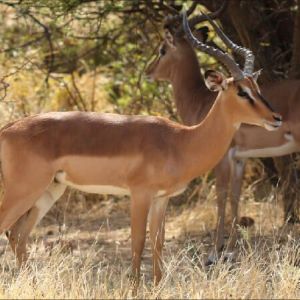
{"x": 90, "y": 256}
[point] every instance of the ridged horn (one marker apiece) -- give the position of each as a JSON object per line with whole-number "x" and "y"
{"x": 224, "y": 58}
{"x": 244, "y": 52}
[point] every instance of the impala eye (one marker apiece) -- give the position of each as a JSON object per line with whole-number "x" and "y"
{"x": 162, "y": 51}
{"x": 243, "y": 94}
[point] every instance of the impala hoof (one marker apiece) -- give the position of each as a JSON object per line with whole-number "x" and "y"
{"x": 213, "y": 258}
{"x": 246, "y": 222}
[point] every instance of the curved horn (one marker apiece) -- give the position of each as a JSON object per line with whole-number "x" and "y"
{"x": 224, "y": 58}
{"x": 170, "y": 20}
{"x": 244, "y": 52}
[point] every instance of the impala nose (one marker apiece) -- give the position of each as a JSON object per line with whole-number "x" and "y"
{"x": 277, "y": 120}
{"x": 277, "y": 117}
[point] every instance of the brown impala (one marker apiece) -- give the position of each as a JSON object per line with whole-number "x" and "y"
{"x": 177, "y": 63}
{"x": 150, "y": 158}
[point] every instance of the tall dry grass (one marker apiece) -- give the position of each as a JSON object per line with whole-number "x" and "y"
{"x": 86, "y": 254}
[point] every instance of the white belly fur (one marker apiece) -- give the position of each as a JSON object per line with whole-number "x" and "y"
{"x": 105, "y": 189}
{"x": 94, "y": 189}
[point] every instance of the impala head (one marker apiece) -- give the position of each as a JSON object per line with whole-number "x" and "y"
{"x": 175, "y": 52}
{"x": 244, "y": 99}
{"x": 241, "y": 91}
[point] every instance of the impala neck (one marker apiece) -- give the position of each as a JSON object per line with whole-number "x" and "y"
{"x": 207, "y": 142}
{"x": 193, "y": 99}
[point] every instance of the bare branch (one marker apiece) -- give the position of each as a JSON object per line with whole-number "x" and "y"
{"x": 48, "y": 37}
{"x": 4, "y": 85}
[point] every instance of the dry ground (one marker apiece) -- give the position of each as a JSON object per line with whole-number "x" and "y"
{"x": 82, "y": 250}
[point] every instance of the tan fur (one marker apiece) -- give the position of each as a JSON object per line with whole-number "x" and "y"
{"x": 142, "y": 154}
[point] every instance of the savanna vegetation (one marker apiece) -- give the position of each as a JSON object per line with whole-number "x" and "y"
{"x": 59, "y": 55}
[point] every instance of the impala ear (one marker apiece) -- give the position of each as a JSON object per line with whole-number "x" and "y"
{"x": 256, "y": 74}
{"x": 169, "y": 38}
{"x": 215, "y": 81}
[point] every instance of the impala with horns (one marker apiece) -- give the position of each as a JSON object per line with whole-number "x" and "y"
{"x": 177, "y": 63}
{"x": 150, "y": 158}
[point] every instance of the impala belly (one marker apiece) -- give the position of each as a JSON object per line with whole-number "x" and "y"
{"x": 98, "y": 171}
{"x": 92, "y": 188}
{"x": 100, "y": 189}
{"x": 108, "y": 189}
{"x": 107, "y": 175}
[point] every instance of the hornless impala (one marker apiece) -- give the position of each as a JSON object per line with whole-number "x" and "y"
{"x": 150, "y": 158}
{"x": 177, "y": 63}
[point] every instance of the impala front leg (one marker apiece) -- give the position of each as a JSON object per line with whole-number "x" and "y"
{"x": 157, "y": 235}
{"x": 140, "y": 205}
{"x": 222, "y": 173}
{"x": 237, "y": 173}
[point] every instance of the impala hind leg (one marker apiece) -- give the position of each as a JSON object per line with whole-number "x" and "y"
{"x": 140, "y": 205}
{"x": 20, "y": 231}
{"x": 157, "y": 234}
{"x": 13, "y": 207}
{"x": 222, "y": 173}
{"x": 21, "y": 191}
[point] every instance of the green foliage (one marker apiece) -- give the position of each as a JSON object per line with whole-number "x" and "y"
{"x": 77, "y": 36}
{"x": 68, "y": 39}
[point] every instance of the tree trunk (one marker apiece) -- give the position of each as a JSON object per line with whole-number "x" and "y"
{"x": 243, "y": 22}
{"x": 295, "y": 68}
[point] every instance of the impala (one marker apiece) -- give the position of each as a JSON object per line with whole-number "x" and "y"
{"x": 177, "y": 63}
{"x": 150, "y": 158}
